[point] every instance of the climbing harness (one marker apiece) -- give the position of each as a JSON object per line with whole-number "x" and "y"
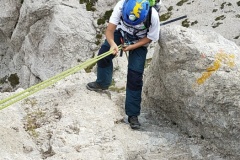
{"x": 22, "y": 95}
{"x": 124, "y": 41}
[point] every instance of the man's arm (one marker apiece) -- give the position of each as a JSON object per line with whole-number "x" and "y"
{"x": 110, "y": 37}
{"x": 140, "y": 43}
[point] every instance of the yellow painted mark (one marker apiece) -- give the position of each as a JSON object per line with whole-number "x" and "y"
{"x": 220, "y": 58}
{"x": 137, "y": 9}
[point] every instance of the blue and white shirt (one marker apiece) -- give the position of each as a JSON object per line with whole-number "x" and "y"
{"x": 153, "y": 31}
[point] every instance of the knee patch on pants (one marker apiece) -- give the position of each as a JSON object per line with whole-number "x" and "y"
{"x": 134, "y": 80}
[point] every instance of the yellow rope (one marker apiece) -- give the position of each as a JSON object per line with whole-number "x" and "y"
{"x": 21, "y": 95}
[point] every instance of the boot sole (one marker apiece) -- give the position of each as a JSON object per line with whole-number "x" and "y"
{"x": 93, "y": 89}
{"x": 135, "y": 127}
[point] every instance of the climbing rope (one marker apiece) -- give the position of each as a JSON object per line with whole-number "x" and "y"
{"x": 22, "y": 95}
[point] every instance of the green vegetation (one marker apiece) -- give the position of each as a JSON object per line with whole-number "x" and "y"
{"x": 238, "y": 3}
{"x": 22, "y": 1}
{"x": 98, "y": 39}
{"x": 180, "y": 3}
{"x": 100, "y": 21}
{"x": 216, "y": 25}
{"x": 237, "y": 16}
{"x": 107, "y": 14}
{"x": 222, "y": 17}
{"x": 14, "y": 80}
{"x": 105, "y": 17}
{"x": 215, "y": 10}
{"x": 98, "y": 36}
{"x": 89, "y": 4}
{"x": 97, "y": 42}
{"x": 170, "y": 8}
{"x": 90, "y": 67}
{"x": 186, "y": 23}
{"x": 31, "y": 122}
{"x": 236, "y": 37}
{"x": 165, "y": 16}
{"x": 116, "y": 89}
{"x": 225, "y": 3}
{"x": 193, "y": 23}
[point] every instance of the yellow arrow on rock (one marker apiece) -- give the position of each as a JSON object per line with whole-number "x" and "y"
{"x": 220, "y": 58}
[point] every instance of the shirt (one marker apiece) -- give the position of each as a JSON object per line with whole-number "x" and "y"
{"x": 154, "y": 29}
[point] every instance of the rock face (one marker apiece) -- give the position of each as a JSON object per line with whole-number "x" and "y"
{"x": 194, "y": 81}
{"x": 9, "y": 16}
{"x": 67, "y": 121}
{"x": 220, "y": 16}
{"x": 48, "y": 37}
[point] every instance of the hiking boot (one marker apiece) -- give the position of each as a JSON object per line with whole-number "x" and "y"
{"x": 133, "y": 120}
{"x": 94, "y": 86}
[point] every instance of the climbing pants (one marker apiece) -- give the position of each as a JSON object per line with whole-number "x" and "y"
{"x": 136, "y": 63}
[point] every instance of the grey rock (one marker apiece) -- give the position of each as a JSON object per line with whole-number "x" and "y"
{"x": 194, "y": 81}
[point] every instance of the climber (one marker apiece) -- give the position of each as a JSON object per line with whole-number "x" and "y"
{"x": 127, "y": 23}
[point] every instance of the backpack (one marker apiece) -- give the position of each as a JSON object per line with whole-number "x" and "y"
{"x": 153, "y": 4}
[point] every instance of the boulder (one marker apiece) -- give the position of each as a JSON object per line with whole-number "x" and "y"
{"x": 193, "y": 80}
{"x": 9, "y": 16}
{"x": 49, "y": 38}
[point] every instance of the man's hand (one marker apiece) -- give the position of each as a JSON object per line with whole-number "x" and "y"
{"x": 114, "y": 48}
{"x": 127, "y": 48}
{"x": 140, "y": 43}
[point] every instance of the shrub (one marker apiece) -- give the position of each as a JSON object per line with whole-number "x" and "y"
{"x": 180, "y": 3}
{"x": 100, "y": 21}
{"x": 193, "y": 23}
{"x": 236, "y": 37}
{"x": 216, "y": 25}
{"x": 222, "y": 17}
{"x": 238, "y": 3}
{"x": 89, "y": 4}
{"x": 165, "y": 16}
{"x": 186, "y": 23}
{"x": 170, "y": 8}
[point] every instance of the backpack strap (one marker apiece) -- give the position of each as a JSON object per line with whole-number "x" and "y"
{"x": 147, "y": 22}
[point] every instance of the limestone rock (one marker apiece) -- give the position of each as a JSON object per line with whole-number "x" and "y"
{"x": 220, "y": 16}
{"x": 194, "y": 81}
{"x": 50, "y": 37}
{"x": 9, "y": 16}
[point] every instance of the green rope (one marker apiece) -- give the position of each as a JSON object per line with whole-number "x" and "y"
{"x": 22, "y": 95}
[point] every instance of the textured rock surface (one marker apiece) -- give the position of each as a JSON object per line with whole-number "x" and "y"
{"x": 49, "y": 37}
{"x": 67, "y": 121}
{"x": 9, "y": 16}
{"x": 194, "y": 81}
{"x": 222, "y": 17}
